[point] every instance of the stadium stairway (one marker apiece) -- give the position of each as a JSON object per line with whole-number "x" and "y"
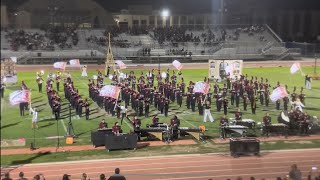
{"x": 4, "y": 41}
{"x": 82, "y": 44}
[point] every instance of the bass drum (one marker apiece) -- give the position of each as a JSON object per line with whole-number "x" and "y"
{"x": 283, "y": 118}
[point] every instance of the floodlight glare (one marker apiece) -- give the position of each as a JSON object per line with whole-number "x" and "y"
{"x": 165, "y": 13}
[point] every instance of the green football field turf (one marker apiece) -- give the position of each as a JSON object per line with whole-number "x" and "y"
{"x": 14, "y": 127}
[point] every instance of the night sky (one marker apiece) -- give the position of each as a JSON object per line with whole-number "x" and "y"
{"x": 190, "y": 6}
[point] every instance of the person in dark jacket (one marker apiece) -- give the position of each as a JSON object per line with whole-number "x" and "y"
{"x": 117, "y": 175}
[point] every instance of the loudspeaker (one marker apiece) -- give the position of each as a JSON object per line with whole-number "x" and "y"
{"x": 246, "y": 146}
{"x": 39, "y": 54}
{"x": 125, "y": 141}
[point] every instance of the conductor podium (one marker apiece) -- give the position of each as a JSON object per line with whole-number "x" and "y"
{"x": 105, "y": 137}
{"x": 98, "y": 138}
{"x": 122, "y": 141}
{"x": 244, "y": 146}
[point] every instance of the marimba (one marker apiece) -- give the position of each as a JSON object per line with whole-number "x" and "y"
{"x": 162, "y": 131}
{"x": 194, "y": 132}
{"x": 235, "y": 129}
{"x": 251, "y": 124}
{"x": 278, "y": 128}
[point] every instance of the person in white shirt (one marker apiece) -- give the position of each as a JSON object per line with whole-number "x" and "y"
{"x": 84, "y": 71}
{"x": 123, "y": 113}
{"x": 207, "y": 112}
{"x": 34, "y": 117}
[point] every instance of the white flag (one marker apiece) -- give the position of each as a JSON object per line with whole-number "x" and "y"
{"x": 120, "y": 64}
{"x": 164, "y": 75}
{"x": 19, "y": 96}
{"x": 229, "y": 69}
{"x": 201, "y": 87}
{"x": 74, "y": 62}
{"x": 60, "y": 65}
{"x": 110, "y": 91}
{"x": 177, "y": 65}
{"x": 295, "y": 68}
{"x": 14, "y": 59}
{"x": 278, "y": 93}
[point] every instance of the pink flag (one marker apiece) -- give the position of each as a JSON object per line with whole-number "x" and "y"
{"x": 295, "y": 68}
{"x": 110, "y": 91}
{"x": 177, "y": 64}
{"x": 74, "y": 62}
{"x": 19, "y": 96}
{"x": 278, "y": 93}
{"x": 60, "y": 65}
{"x": 201, "y": 87}
{"x": 120, "y": 64}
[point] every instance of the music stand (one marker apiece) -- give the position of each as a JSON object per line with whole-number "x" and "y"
{"x": 58, "y": 137}
{"x": 70, "y": 132}
{"x": 33, "y": 144}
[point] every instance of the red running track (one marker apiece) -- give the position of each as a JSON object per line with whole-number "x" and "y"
{"x": 207, "y": 166}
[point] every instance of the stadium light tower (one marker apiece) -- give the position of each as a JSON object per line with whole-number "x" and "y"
{"x": 165, "y": 13}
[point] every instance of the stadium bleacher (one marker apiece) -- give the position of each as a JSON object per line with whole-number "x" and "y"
{"x": 225, "y": 41}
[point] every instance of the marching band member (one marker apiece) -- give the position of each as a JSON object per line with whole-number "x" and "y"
{"x": 39, "y": 81}
{"x": 225, "y": 106}
{"x": 155, "y": 121}
{"x": 238, "y": 115}
{"x": 136, "y": 123}
{"x": 253, "y": 105}
{"x": 223, "y": 124}
{"x": 86, "y": 107}
{"x": 58, "y": 79}
{"x": 103, "y": 124}
{"x": 266, "y": 121}
{"x": 207, "y": 112}
{"x": 175, "y": 123}
{"x": 116, "y": 129}
{"x": 304, "y": 124}
{"x": 297, "y": 105}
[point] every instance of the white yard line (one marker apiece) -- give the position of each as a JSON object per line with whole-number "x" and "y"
{"x": 186, "y": 121}
{"x": 2, "y": 101}
{"x": 64, "y": 126}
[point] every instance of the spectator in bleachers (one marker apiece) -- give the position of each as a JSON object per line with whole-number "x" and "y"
{"x": 36, "y": 41}
{"x": 117, "y": 175}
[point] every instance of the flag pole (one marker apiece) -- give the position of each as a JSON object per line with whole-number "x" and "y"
{"x": 30, "y": 107}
